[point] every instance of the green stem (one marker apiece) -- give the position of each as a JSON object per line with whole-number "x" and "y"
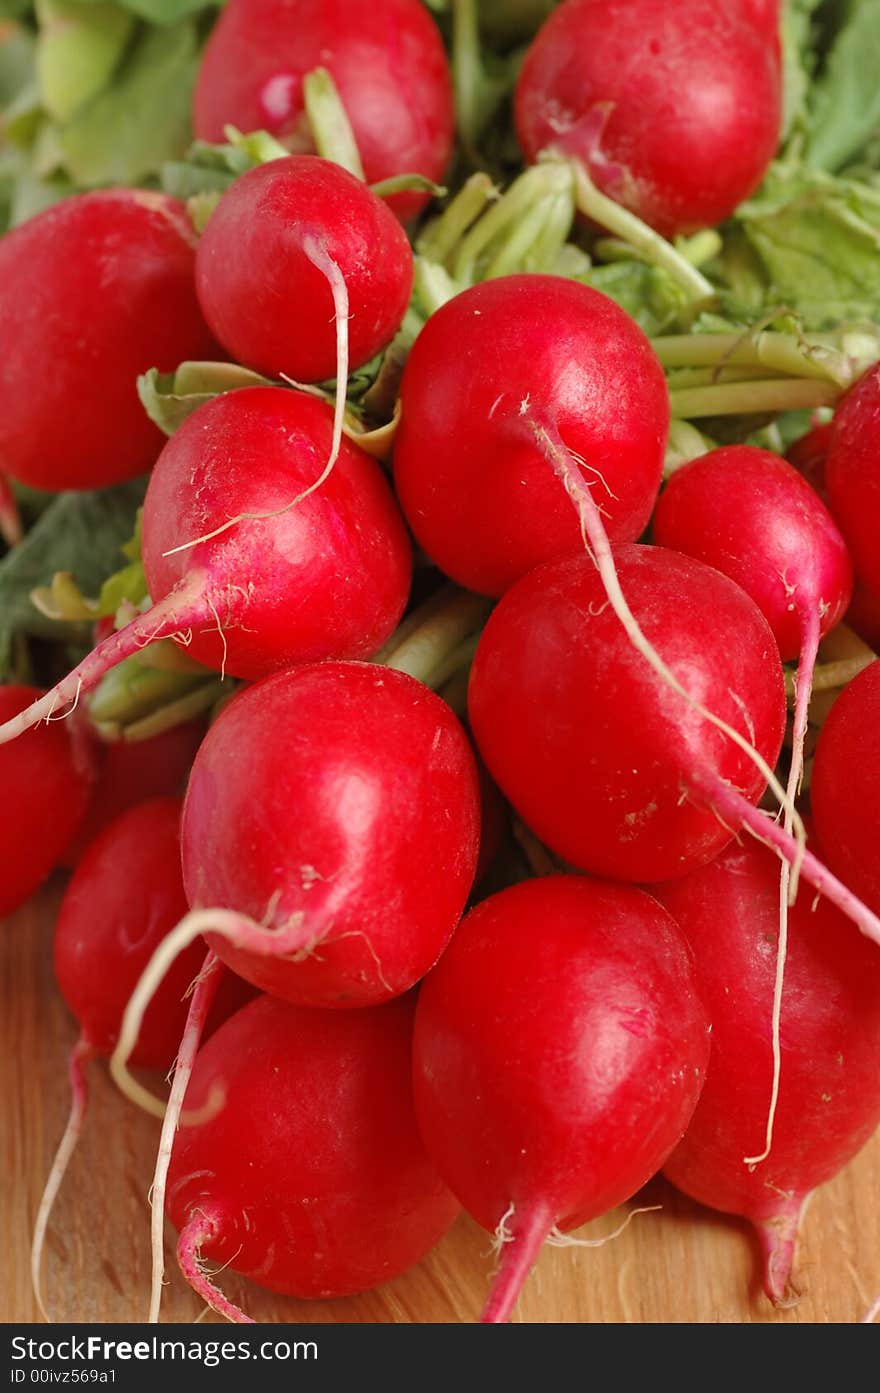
{"x": 175, "y": 713}
{"x": 432, "y": 648}
{"x": 542, "y": 184}
{"x": 441, "y": 237}
{"x": 685, "y": 443}
{"x": 828, "y": 677}
{"x": 644, "y": 239}
{"x": 407, "y": 183}
{"x": 477, "y": 92}
{"x": 331, "y": 129}
{"x": 753, "y": 398}
{"x": 433, "y": 286}
{"x": 711, "y": 377}
{"x": 781, "y": 352}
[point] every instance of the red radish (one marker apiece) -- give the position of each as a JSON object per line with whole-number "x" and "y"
{"x": 124, "y": 897}
{"x": 852, "y": 474}
{"x": 807, "y": 454}
{"x": 303, "y": 273}
{"x": 329, "y": 578}
{"x": 335, "y": 872}
{"x": 46, "y": 782}
{"x": 752, "y": 516}
{"x": 613, "y": 769}
{"x": 258, "y": 284}
{"x": 386, "y": 58}
{"x": 130, "y": 772}
{"x": 560, "y": 1048}
{"x": 673, "y": 107}
{"x": 845, "y": 786}
{"x": 318, "y": 1104}
{"x": 93, "y": 291}
{"x": 829, "y": 1095}
{"x": 495, "y": 371}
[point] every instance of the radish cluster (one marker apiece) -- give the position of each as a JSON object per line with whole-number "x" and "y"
{"x": 403, "y": 1024}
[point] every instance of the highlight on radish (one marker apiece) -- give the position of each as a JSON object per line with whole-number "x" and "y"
{"x": 386, "y": 59}
{"x": 497, "y": 379}
{"x": 597, "y": 87}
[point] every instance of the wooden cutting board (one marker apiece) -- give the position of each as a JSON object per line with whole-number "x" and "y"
{"x": 680, "y": 1264}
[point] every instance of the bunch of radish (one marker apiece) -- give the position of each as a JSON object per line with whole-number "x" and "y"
{"x": 528, "y": 610}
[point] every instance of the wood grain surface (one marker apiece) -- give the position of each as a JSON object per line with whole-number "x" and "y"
{"x": 680, "y": 1264}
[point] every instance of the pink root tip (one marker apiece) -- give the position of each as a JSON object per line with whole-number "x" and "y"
{"x": 518, "y": 1256}
{"x": 199, "y": 1229}
{"x": 777, "y": 1236}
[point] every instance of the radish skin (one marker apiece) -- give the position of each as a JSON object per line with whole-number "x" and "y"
{"x": 386, "y": 59}
{"x": 829, "y": 1092}
{"x": 560, "y": 1048}
{"x": 328, "y": 578}
{"x": 319, "y": 1104}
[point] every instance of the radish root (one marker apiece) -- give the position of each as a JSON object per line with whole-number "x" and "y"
{"x": 518, "y": 1254}
{"x": 80, "y": 1057}
{"x": 597, "y": 544}
{"x": 237, "y": 929}
{"x": 788, "y": 877}
{"x": 199, "y": 1229}
{"x": 200, "y": 1004}
{"x": 183, "y": 608}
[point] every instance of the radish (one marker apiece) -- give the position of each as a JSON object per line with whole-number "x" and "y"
{"x": 93, "y": 291}
{"x": 672, "y": 107}
{"x": 386, "y": 58}
{"x": 47, "y": 782}
{"x": 560, "y": 1048}
{"x": 852, "y": 475}
{"x": 318, "y": 1105}
{"x": 497, "y": 372}
{"x": 303, "y": 273}
{"x": 335, "y": 873}
{"x": 774, "y": 536}
{"x": 329, "y": 578}
{"x": 829, "y": 1095}
{"x": 615, "y": 771}
{"x": 125, "y": 895}
{"x": 259, "y": 271}
{"x": 131, "y": 772}
{"x": 845, "y": 787}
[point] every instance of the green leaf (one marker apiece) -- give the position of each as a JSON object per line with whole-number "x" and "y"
{"x": 78, "y": 48}
{"x": 818, "y": 242}
{"x": 79, "y": 532}
{"x": 169, "y": 398}
{"x": 647, "y": 293}
{"x": 143, "y": 119}
{"x": 845, "y": 97}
